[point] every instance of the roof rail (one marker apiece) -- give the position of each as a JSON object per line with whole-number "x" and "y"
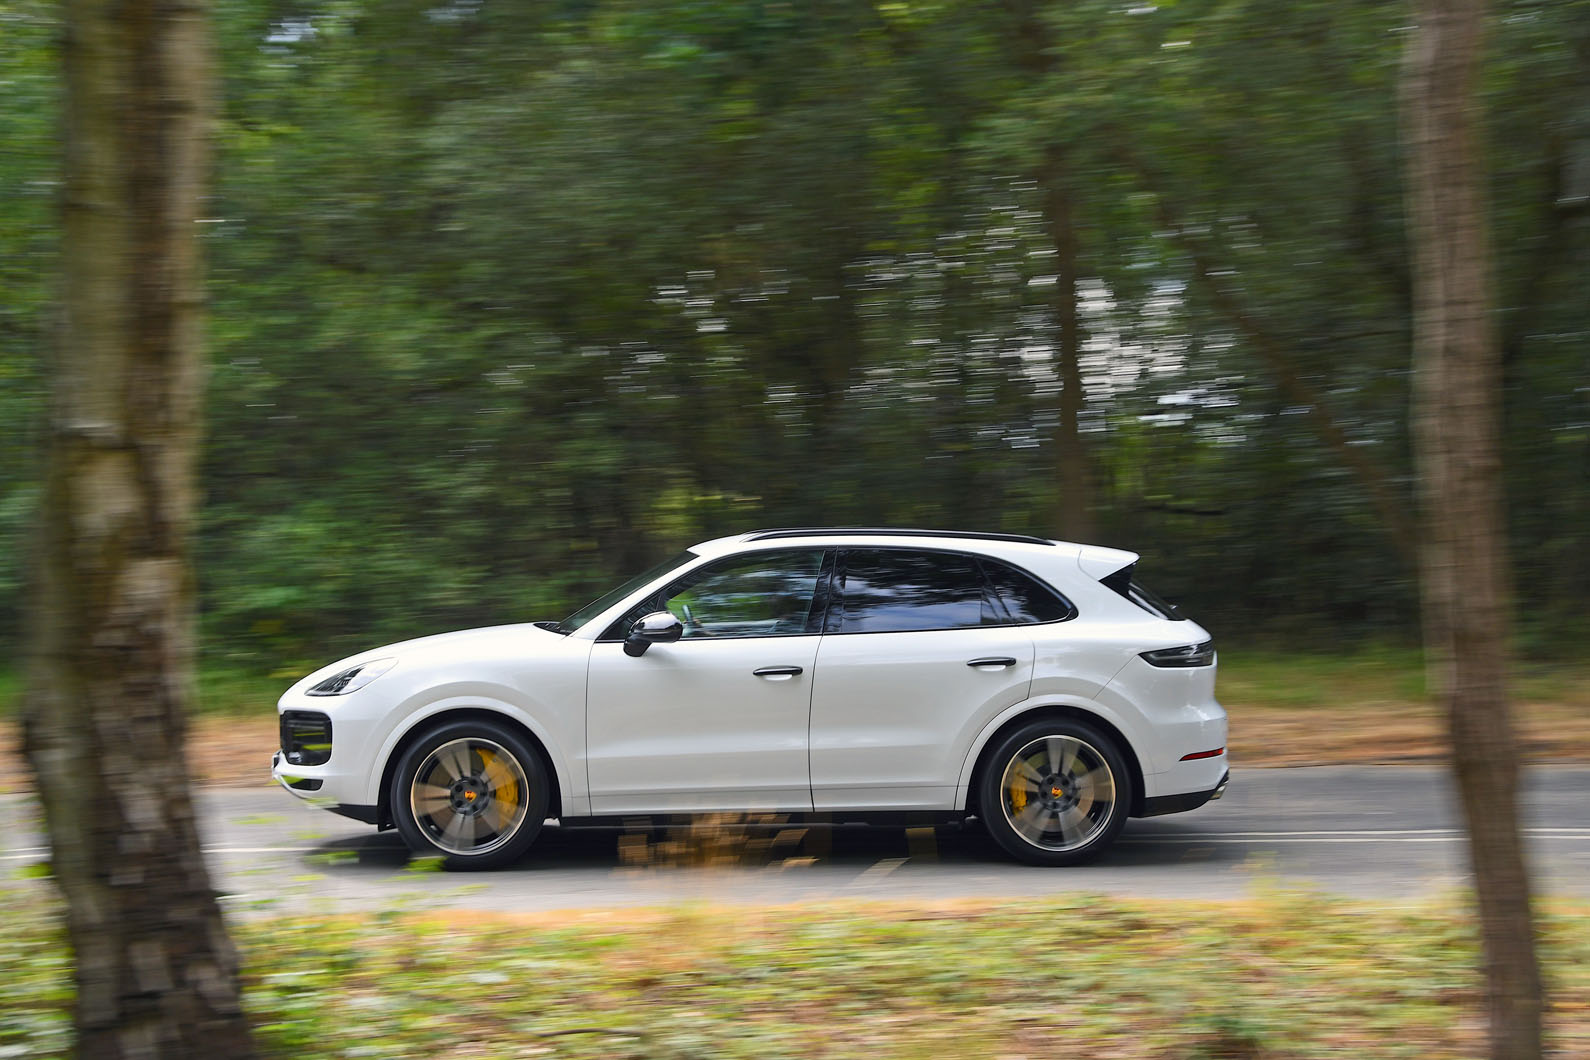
{"x": 890, "y": 531}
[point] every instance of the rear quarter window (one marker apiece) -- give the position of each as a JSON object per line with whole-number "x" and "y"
{"x": 1026, "y": 600}
{"x": 900, "y": 591}
{"x": 1126, "y": 584}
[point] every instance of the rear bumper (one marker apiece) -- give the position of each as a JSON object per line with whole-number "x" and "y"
{"x": 1160, "y": 805}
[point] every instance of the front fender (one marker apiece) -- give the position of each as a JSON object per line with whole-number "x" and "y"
{"x": 413, "y": 715}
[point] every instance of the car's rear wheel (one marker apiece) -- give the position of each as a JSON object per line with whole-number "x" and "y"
{"x": 474, "y": 792}
{"x": 1055, "y": 792}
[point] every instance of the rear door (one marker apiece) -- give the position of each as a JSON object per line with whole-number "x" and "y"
{"x": 922, "y": 646}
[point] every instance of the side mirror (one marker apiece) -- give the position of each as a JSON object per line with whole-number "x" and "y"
{"x": 659, "y": 627}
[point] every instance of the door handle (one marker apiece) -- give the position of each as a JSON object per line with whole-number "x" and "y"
{"x": 998, "y": 662}
{"x": 778, "y": 673}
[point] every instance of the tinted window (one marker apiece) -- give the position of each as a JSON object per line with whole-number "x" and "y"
{"x": 894, "y": 590}
{"x": 761, "y": 594}
{"x": 608, "y": 599}
{"x": 1123, "y": 582}
{"x": 1149, "y": 600}
{"x": 1026, "y": 600}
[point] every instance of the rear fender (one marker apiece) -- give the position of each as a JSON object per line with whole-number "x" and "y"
{"x": 1127, "y": 728}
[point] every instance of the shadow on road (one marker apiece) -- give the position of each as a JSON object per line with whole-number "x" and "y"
{"x": 858, "y": 847}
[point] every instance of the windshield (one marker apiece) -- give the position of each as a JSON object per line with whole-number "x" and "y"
{"x": 603, "y": 602}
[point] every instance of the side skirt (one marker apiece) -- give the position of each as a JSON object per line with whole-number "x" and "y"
{"x": 769, "y": 819}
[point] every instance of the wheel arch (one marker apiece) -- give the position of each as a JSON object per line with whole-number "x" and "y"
{"x": 424, "y": 724}
{"x": 979, "y": 759}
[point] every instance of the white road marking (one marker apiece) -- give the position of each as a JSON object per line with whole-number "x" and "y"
{"x": 1410, "y": 835}
{"x": 1144, "y": 841}
{"x": 1377, "y": 832}
{"x": 34, "y": 853}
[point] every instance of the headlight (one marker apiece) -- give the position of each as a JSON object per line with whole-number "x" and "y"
{"x": 353, "y": 678}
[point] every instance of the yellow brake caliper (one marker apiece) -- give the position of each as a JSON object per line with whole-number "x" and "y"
{"x": 508, "y": 793}
{"x": 1018, "y": 794}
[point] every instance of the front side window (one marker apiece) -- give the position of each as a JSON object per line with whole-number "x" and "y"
{"x": 760, "y": 594}
{"x": 898, "y": 590}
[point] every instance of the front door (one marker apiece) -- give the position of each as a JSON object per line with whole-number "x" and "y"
{"x": 717, "y": 720}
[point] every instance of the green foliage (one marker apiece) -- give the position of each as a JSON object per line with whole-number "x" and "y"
{"x": 509, "y": 301}
{"x": 29, "y": 182}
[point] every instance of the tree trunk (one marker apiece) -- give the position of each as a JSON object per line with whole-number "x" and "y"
{"x": 1457, "y": 377}
{"x": 112, "y": 652}
{"x": 1073, "y": 520}
{"x": 1074, "y": 517}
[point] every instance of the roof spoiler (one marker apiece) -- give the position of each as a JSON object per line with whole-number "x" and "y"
{"x": 1098, "y": 562}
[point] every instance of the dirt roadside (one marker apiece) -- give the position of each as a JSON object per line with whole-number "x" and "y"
{"x": 235, "y": 752}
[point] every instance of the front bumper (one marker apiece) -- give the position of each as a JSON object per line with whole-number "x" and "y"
{"x": 327, "y": 775}
{"x": 309, "y": 788}
{"x": 288, "y": 777}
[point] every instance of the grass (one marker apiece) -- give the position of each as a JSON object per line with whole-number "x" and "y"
{"x": 1369, "y": 704}
{"x": 1278, "y": 976}
{"x": 1370, "y": 676}
{"x": 10, "y": 690}
{"x": 224, "y": 691}
{"x": 1275, "y": 679}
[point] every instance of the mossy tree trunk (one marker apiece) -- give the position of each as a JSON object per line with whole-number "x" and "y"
{"x": 112, "y": 654}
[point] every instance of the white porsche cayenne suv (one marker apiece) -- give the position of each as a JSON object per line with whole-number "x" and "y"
{"x": 879, "y": 675}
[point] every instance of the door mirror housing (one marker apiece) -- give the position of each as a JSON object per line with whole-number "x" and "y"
{"x": 659, "y": 627}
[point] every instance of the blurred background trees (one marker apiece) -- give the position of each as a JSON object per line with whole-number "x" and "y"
{"x": 509, "y": 299}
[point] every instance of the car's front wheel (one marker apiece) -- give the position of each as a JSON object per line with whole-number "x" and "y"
{"x": 1055, "y": 792}
{"x": 474, "y": 792}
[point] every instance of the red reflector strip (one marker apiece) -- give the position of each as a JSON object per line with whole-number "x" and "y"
{"x": 1216, "y": 753}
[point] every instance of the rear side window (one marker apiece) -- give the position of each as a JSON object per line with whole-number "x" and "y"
{"x": 898, "y": 590}
{"x": 1123, "y": 582}
{"x": 1026, "y": 600}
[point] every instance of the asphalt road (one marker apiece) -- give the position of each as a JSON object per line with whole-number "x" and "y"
{"x": 1373, "y": 831}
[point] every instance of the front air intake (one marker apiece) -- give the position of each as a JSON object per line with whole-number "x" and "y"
{"x": 306, "y": 737}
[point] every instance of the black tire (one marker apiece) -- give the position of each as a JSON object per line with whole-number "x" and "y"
{"x": 1055, "y": 791}
{"x": 474, "y": 792}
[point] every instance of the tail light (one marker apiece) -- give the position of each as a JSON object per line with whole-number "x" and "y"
{"x": 1184, "y": 656}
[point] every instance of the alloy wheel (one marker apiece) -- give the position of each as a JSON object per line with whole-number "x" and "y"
{"x": 469, "y": 796}
{"x": 1058, "y": 792}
